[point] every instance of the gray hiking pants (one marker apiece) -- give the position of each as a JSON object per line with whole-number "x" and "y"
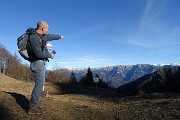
{"x": 39, "y": 69}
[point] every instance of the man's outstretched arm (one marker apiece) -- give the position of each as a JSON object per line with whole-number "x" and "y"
{"x": 50, "y": 37}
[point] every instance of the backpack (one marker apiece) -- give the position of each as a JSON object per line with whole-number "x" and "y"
{"x": 22, "y": 43}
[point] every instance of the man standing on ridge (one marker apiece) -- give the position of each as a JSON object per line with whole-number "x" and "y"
{"x": 39, "y": 54}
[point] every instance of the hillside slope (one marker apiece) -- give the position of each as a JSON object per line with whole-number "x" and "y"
{"x": 164, "y": 80}
{"x": 79, "y": 103}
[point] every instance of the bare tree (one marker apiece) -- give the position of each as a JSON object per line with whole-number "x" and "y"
{"x": 12, "y": 65}
{"x": 4, "y": 55}
{"x": 58, "y": 75}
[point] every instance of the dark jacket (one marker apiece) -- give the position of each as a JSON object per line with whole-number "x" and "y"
{"x": 37, "y": 45}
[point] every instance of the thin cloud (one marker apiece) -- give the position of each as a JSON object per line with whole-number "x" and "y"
{"x": 151, "y": 13}
{"x": 154, "y": 40}
{"x": 85, "y": 61}
{"x": 153, "y": 31}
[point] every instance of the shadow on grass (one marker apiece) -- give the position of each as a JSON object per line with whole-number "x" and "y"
{"x": 89, "y": 91}
{"x": 21, "y": 100}
{"x": 4, "y": 114}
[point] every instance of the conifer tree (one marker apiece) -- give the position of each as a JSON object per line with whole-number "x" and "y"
{"x": 73, "y": 78}
{"x": 87, "y": 80}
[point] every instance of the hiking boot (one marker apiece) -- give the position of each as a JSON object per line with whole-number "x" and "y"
{"x": 36, "y": 110}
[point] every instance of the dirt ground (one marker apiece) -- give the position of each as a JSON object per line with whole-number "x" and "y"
{"x": 67, "y": 102}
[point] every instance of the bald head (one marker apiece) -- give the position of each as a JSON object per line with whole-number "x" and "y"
{"x": 41, "y": 24}
{"x": 42, "y": 27}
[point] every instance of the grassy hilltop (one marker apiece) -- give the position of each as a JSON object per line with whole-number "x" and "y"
{"x": 68, "y": 102}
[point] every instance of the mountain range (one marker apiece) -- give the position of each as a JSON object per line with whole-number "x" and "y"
{"x": 164, "y": 80}
{"x": 119, "y": 75}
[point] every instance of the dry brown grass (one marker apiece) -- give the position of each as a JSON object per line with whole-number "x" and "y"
{"x": 67, "y": 102}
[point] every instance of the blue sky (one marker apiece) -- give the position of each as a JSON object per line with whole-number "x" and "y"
{"x": 99, "y": 33}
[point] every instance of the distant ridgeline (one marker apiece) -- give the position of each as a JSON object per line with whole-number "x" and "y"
{"x": 116, "y": 76}
{"x": 164, "y": 80}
